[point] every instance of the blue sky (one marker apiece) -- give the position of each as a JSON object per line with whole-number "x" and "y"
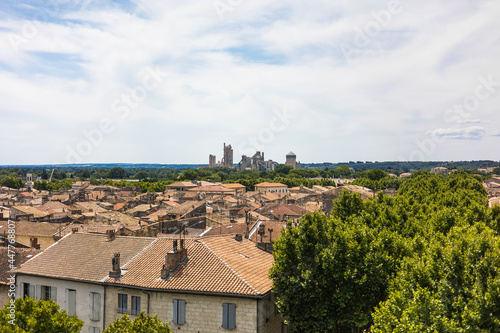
{"x": 169, "y": 82}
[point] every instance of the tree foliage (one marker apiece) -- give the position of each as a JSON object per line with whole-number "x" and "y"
{"x": 142, "y": 324}
{"x": 424, "y": 260}
{"x": 329, "y": 274}
{"x": 40, "y": 316}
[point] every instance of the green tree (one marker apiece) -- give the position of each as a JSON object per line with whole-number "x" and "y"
{"x": 12, "y": 182}
{"x": 116, "y": 173}
{"x": 141, "y": 324}
{"x": 141, "y": 175}
{"x": 85, "y": 173}
{"x": 330, "y": 275}
{"x": 342, "y": 171}
{"x": 38, "y": 317}
{"x": 347, "y": 205}
{"x": 453, "y": 286}
{"x": 283, "y": 169}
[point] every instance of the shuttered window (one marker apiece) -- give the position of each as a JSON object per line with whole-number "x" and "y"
{"x": 122, "y": 303}
{"x": 27, "y": 290}
{"x": 229, "y": 316}
{"x": 179, "y": 311}
{"x": 46, "y": 292}
{"x": 95, "y": 306}
{"x": 136, "y": 305}
{"x": 71, "y": 302}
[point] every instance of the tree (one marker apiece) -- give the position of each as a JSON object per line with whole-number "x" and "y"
{"x": 141, "y": 175}
{"x": 283, "y": 169}
{"x": 329, "y": 275}
{"x": 12, "y": 182}
{"x": 142, "y": 324}
{"x": 348, "y": 204}
{"x": 116, "y": 173}
{"x": 85, "y": 173}
{"x": 342, "y": 171}
{"x": 38, "y": 317}
{"x": 453, "y": 286}
{"x": 375, "y": 174}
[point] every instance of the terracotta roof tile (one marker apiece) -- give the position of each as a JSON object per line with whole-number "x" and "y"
{"x": 214, "y": 265}
{"x": 84, "y": 257}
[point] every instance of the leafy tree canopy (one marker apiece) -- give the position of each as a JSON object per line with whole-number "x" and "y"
{"x": 436, "y": 244}
{"x": 40, "y": 316}
{"x": 142, "y": 324}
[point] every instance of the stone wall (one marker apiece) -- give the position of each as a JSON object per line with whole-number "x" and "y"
{"x": 203, "y": 312}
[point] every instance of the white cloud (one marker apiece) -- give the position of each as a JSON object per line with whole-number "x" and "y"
{"x": 226, "y": 76}
{"x": 467, "y": 133}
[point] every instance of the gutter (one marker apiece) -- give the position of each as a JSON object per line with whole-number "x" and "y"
{"x": 104, "y": 309}
{"x": 149, "y": 296}
{"x": 257, "y": 316}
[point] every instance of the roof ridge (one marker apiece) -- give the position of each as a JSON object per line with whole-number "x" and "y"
{"x": 231, "y": 269}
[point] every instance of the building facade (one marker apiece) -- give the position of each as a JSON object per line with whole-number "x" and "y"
{"x": 207, "y": 284}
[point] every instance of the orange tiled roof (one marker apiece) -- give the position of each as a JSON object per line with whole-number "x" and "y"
{"x": 214, "y": 265}
{"x": 266, "y": 184}
{"x": 84, "y": 257}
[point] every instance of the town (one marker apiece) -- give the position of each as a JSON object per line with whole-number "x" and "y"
{"x": 197, "y": 253}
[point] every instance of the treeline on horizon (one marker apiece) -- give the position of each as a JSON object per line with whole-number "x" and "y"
{"x": 154, "y": 180}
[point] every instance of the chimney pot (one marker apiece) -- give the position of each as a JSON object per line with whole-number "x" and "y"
{"x": 116, "y": 272}
{"x": 238, "y": 237}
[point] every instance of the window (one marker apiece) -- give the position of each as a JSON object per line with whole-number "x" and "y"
{"x": 179, "y": 311}
{"x": 27, "y": 290}
{"x": 122, "y": 303}
{"x": 136, "y": 305}
{"x": 95, "y": 306}
{"x": 46, "y": 292}
{"x": 71, "y": 302}
{"x": 94, "y": 329}
{"x": 229, "y": 316}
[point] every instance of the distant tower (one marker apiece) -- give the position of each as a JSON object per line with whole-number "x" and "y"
{"x": 227, "y": 160}
{"x": 29, "y": 180}
{"x": 291, "y": 160}
{"x": 211, "y": 161}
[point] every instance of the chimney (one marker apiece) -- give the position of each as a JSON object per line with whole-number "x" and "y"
{"x": 17, "y": 259}
{"x": 116, "y": 272}
{"x": 173, "y": 259}
{"x": 110, "y": 235}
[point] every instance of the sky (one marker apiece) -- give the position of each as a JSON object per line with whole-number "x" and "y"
{"x": 160, "y": 81}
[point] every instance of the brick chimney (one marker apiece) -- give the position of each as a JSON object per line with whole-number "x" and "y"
{"x": 173, "y": 259}
{"x": 110, "y": 235}
{"x": 116, "y": 272}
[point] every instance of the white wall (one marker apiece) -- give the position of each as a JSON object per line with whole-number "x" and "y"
{"x": 83, "y": 291}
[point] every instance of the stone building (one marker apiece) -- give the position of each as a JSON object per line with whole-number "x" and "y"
{"x": 211, "y": 161}
{"x": 227, "y": 160}
{"x": 207, "y": 284}
{"x": 291, "y": 160}
{"x": 256, "y": 162}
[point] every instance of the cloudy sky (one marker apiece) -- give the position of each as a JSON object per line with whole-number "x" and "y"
{"x": 158, "y": 81}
